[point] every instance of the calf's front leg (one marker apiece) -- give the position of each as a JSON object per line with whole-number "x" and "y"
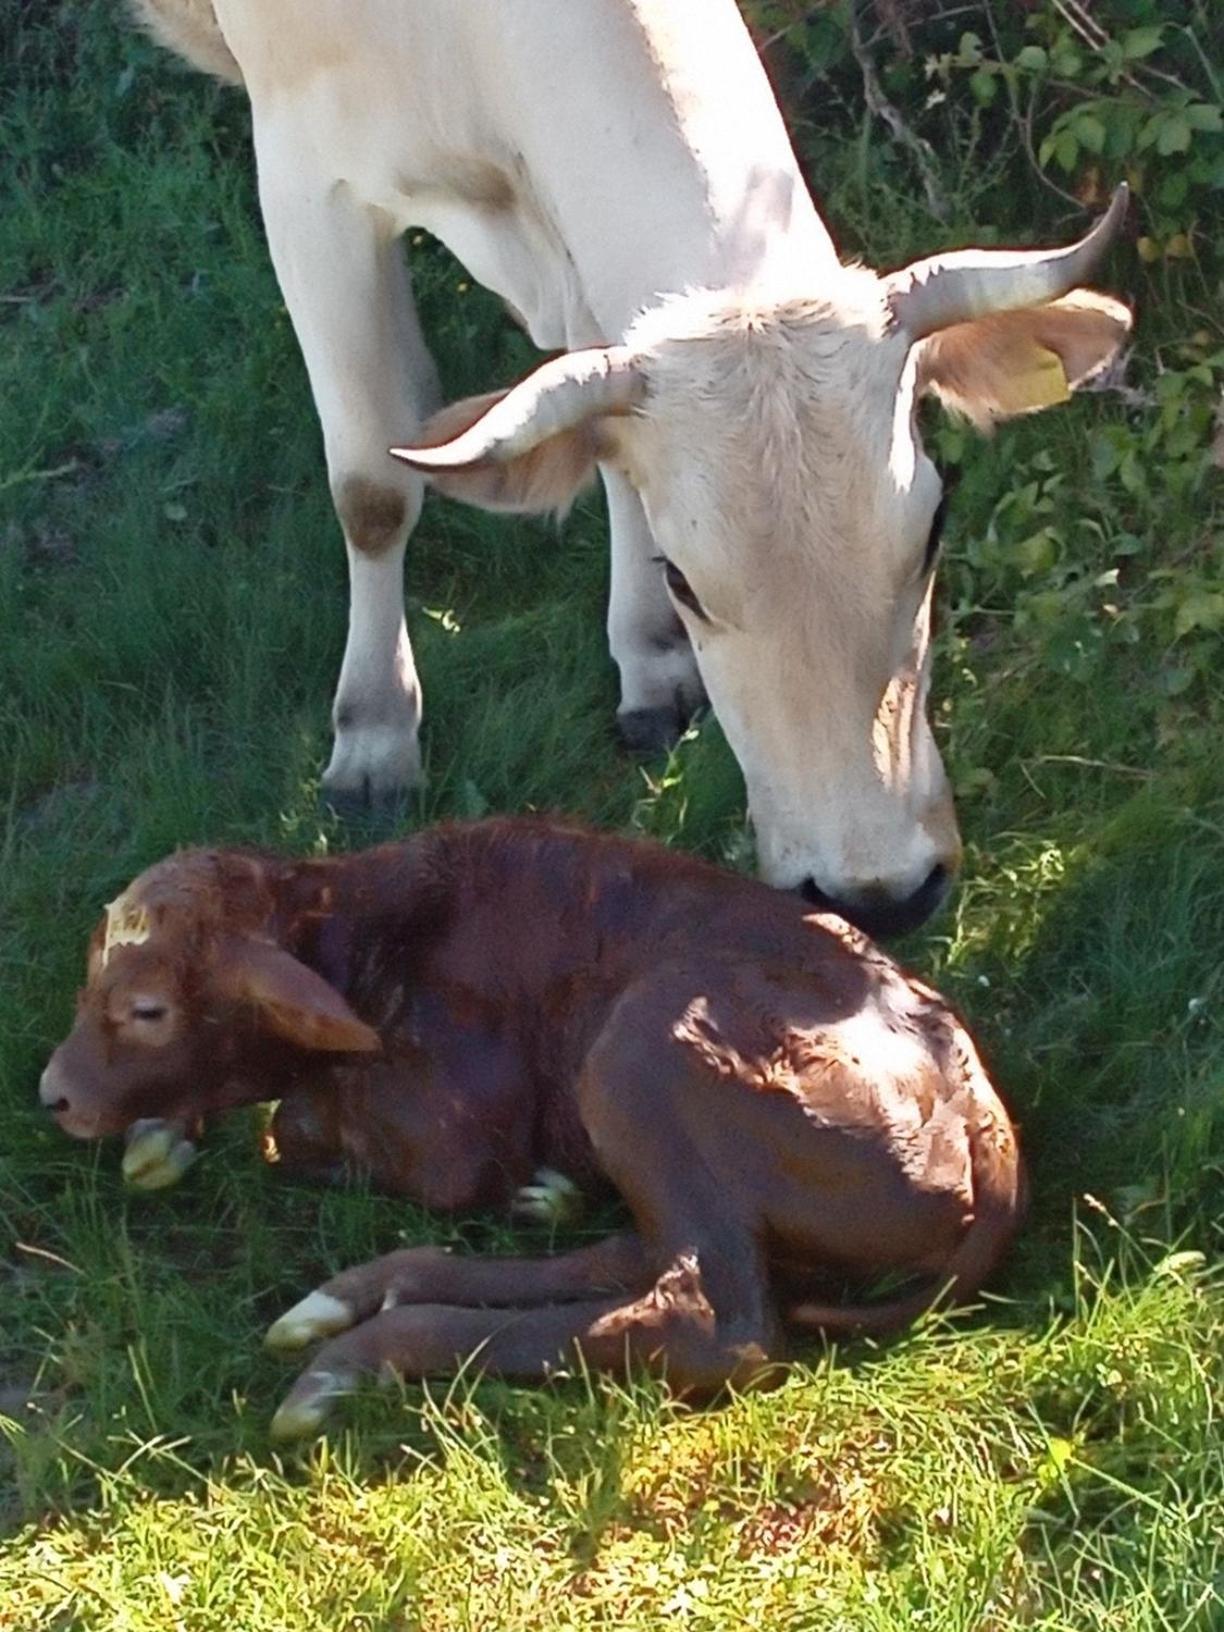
{"x": 157, "y": 1152}
{"x": 342, "y": 273}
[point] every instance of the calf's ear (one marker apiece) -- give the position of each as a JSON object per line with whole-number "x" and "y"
{"x": 1010, "y": 363}
{"x": 291, "y": 1000}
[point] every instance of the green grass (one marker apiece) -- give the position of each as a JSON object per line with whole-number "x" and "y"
{"x": 171, "y": 619}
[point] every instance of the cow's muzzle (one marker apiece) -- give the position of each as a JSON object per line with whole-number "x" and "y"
{"x": 881, "y": 915}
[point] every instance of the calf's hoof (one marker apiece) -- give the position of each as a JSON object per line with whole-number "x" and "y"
{"x": 550, "y": 1199}
{"x": 157, "y": 1154}
{"x": 317, "y": 1315}
{"x": 303, "y": 1413}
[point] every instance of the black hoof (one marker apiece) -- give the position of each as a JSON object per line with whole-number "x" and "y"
{"x": 364, "y": 809}
{"x": 648, "y": 732}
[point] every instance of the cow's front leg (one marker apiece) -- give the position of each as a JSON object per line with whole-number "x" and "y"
{"x": 660, "y": 685}
{"x": 343, "y": 276}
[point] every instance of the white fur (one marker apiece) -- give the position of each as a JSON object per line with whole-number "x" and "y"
{"x": 596, "y": 164}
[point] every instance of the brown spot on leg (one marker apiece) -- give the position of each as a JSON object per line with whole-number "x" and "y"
{"x": 373, "y": 516}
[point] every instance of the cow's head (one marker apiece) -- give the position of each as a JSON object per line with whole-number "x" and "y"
{"x": 772, "y": 436}
{"x": 188, "y": 1008}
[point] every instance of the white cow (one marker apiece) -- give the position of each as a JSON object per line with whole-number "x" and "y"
{"x": 618, "y": 171}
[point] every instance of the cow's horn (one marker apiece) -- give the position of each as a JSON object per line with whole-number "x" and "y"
{"x": 934, "y": 294}
{"x": 557, "y": 396}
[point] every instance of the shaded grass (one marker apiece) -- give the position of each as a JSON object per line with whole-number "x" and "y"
{"x": 171, "y": 619}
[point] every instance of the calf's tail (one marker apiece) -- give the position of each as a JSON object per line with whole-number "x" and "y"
{"x": 999, "y": 1197}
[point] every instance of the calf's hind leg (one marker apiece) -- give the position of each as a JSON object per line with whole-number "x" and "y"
{"x": 619, "y": 1263}
{"x": 700, "y": 1314}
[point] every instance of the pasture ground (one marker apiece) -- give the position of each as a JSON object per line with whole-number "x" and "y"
{"x": 171, "y": 619}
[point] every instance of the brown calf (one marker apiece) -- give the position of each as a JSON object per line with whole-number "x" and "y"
{"x": 774, "y": 1100}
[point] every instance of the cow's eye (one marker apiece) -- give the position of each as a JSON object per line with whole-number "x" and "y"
{"x": 680, "y": 588}
{"x": 148, "y": 1009}
{"x": 935, "y": 535}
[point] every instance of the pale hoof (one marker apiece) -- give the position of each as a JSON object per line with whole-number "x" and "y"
{"x": 317, "y": 1315}
{"x": 373, "y": 770}
{"x": 307, "y": 1408}
{"x": 157, "y": 1155}
{"x": 550, "y": 1198}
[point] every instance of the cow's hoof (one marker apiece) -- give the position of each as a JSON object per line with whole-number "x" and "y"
{"x": 157, "y": 1155}
{"x": 373, "y": 772}
{"x": 373, "y": 808}
{"x": 650, "y": 732}
{"x": 550, "y": 1199}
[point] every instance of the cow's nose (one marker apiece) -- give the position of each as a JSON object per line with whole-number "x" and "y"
{"x": 882, "y": 915}
{"x": 52, "y": 1090}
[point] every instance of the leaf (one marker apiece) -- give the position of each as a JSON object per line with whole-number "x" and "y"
{"x": 1173, "y": 190}
{"x": 1141, "y": 42}
{"x": 1035, "y": 554}
{"x": 1200, "y": 609}
{"x": 984, "y": 86}
{"x": 1032, "y": 59}
{"x": 1066, "y": 149}
{"x": 1175, "y": 134}
{"x": 1205, "y": 116}
{"x": 1090, "y": 132}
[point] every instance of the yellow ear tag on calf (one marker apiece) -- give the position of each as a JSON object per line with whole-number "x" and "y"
{"x": 126, "y": 925}
{"x": 1038, "y": 381}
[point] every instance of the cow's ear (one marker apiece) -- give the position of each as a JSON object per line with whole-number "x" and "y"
{"x": 290, "y": 1000}
{"x": 548, "y": 477}
{"x": 1011, "y": 363}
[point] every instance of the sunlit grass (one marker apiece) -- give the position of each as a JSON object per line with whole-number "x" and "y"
{"x": 171, "y": 619}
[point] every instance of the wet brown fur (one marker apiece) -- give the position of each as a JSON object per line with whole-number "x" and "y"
{"x": 776, "y": 1102}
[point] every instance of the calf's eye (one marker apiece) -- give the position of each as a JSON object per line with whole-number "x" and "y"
{"x": 148, "y": 1009}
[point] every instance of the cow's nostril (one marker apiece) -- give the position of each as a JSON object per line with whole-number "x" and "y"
{"x": 879, "y": 914}
{"x": 815, "y": 896}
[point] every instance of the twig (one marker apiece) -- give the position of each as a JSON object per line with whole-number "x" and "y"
{"x": 1083, "y": 23}
{"x": 882, "y": 108}
{"x": 1097, "y": 765}
{"x": 56, "y": 471}
{"x": 44, "y": 1252}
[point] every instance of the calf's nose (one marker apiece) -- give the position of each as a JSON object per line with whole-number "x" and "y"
{"x": 52, "y": 1089}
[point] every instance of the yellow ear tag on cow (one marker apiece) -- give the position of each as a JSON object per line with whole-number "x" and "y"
{"x": 1038, "y": 381}
{"x": 126, "y": 925}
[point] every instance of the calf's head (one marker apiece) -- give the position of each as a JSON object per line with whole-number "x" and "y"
{"x": 188, "y": 1007}
{"x": 772, "y": 436}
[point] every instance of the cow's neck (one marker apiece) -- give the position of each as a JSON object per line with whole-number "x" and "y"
{"x": 646, "y": 155}
{"x": 693, "y": 180}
